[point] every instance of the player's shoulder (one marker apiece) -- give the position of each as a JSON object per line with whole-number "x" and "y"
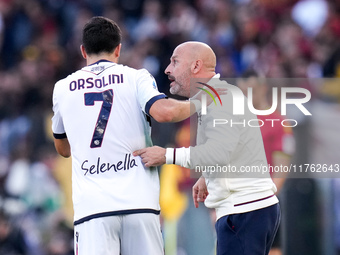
{"x": 134, "y": 74}
{"x": 64, "y": 83}
{"x": 140, "y": 75}
{"x": 137, "y": 72}
{"x": 68, "y": 78}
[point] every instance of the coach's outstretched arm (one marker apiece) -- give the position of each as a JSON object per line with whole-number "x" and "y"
{"x": 172, "y": 110}
{"x": 219, "y": 144}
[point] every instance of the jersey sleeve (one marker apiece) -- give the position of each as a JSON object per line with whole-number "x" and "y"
{"x": 147, "y": 91}
{"x": 57, "y": 121}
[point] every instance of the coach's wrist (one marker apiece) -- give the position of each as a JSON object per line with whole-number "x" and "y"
{"x": 178, "y": 156}
{"x": 170, "y": 156}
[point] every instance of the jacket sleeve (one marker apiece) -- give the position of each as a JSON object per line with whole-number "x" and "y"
{"x": 219, "y": 136}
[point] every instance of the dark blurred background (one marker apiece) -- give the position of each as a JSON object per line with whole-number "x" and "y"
{"x": 39, "y": 44}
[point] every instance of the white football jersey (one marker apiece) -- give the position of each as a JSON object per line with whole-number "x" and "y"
{"x": 103, "y": 110}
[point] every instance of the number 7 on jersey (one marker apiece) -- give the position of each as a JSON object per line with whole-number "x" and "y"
{"x": 104, "y": 114}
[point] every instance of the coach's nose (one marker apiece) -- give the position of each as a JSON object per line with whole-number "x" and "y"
{"x": 167, "y": 70}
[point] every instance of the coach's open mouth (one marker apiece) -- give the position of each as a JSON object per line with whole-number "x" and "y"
{"x": 171, "y": 79}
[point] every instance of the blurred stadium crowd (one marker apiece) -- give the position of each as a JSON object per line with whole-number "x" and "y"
{"x": 39, "y": 44}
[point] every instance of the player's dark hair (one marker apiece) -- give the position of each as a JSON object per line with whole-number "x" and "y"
{"x": 250, "y": 73}
{"x": 101, "y": 34}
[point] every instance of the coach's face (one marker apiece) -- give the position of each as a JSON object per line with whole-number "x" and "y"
{"x": 179, "y": 71}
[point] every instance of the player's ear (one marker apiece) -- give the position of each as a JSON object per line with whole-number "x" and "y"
{"x": 117, "y": 50}
{"x": 196, "y": 66}
{"x": 83, "y": 52}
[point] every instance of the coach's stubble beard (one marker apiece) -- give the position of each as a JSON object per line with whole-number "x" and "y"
{"x": 181, "y": 86}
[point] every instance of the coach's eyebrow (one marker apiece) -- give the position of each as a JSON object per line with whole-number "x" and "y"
{"x": 173, "y": 57}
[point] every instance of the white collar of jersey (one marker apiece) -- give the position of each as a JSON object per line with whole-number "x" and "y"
{"x": 98, "y": 66}
{"x": 100, "y": 61}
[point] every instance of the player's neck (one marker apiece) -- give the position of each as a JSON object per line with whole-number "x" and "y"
{"x": 104, "y": 56}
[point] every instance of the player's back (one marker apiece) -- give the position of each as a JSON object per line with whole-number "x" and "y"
{"x": 100, "y": 110}
{"x": 101, "y": 107}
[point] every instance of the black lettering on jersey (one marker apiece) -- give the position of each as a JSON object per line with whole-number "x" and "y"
{"x": 116, "y": 78}
{"x": 90, "y": 82}
{"x": 81, "y": 83}
{"x": 73, "y": 85}
{"x": 97, "y": 69}
{"x": 102, "y": 167}
{"x": 104, "y": 84}
{"x": 98, "y": 83}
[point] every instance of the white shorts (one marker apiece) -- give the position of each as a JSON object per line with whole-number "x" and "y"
{"x": 130, "y": 234}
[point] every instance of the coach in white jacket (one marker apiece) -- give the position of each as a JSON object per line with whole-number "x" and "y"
{"x": 227, "y": 153}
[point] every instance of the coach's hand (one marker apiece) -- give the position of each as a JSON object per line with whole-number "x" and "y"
{"x": 151, "y": 156}
{"x": 199, "y": 191}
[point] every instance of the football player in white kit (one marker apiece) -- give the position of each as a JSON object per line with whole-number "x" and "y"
{"x": 100, "y": 117}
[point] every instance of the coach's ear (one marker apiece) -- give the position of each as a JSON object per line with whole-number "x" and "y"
{"x": 196, "y": 66}
{"x": 83, "y": 51}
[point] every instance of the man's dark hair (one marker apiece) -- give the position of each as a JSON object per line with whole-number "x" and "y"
{"x": 249, "y": 73}
{"x": 101, "y": 34}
